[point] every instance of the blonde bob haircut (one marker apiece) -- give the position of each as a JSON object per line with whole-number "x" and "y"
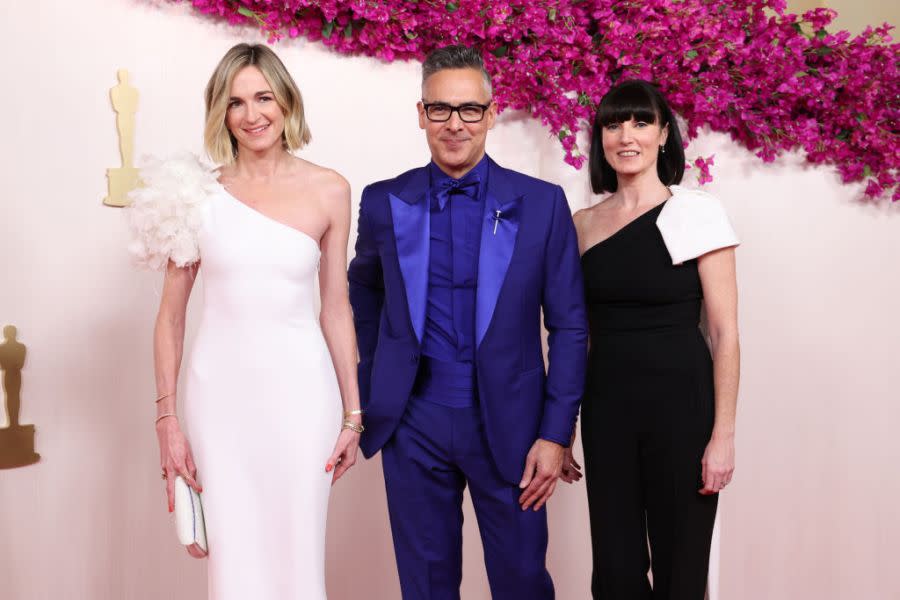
{"x": 220, "y": 144}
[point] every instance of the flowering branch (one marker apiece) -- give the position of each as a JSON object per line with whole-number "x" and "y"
{"x": 773, "y": 81}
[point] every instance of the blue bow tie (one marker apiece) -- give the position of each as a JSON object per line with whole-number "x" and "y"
{"x": 468, "y": 186}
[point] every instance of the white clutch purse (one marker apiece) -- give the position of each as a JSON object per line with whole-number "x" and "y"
{"x": 189, "y": 518}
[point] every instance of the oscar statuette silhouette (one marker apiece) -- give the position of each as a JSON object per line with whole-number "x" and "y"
{"x": 16, "y": 440}
{"x": 124, "y": 98}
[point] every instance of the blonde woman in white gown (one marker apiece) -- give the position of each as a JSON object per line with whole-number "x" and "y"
{"x": 265, "y": 381}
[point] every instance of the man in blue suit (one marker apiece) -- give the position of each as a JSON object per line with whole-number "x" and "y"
{"x": 454, "y": 262}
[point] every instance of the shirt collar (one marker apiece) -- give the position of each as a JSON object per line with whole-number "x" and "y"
{"x": 437, "y": 175}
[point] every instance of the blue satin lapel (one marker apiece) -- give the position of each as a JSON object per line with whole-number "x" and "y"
{"x": 412, "y": 231}
{"x": 494, "y": 255}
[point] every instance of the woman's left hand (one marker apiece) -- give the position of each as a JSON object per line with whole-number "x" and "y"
{"x": 344, "y": 455}
{"x": 717, "y": 464}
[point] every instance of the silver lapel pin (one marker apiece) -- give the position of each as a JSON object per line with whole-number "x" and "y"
{"x": 496, "y": 220}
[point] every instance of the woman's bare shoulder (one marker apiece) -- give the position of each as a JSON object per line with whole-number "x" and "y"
{"x": 224, "y": 173}
{"x": 586, "y": 216}
{"x": 326, "y": 187}
{"x": 323, "y": 181}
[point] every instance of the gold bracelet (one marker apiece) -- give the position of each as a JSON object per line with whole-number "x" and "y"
{"x": 353, "y": 427}
{"x": 350, "y": 413}
{"x": 163, "y": 416}
{"x": 165, "y": 396}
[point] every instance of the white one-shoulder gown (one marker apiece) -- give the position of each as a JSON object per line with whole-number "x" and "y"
{"x": 262, "y": 405}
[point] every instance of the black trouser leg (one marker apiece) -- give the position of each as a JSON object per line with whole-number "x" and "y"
{"x": 679, "y": 520}
{"x": 644, "y": 486}
{"x": 616, "y": 503}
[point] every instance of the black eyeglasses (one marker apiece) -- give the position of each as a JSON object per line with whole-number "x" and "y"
{"x": 469, "y": 112}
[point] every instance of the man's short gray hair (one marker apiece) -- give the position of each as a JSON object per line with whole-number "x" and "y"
{"x": 455, "y": 57}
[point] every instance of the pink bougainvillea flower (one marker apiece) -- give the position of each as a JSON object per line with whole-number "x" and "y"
{"x": 774, "y": 81}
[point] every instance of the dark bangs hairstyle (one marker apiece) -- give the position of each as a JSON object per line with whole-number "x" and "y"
{"x": 639, "y": 100}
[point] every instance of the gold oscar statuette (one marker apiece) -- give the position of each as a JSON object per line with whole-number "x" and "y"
{"x": 123, "y": 179}
{"x": 16, "y": 440}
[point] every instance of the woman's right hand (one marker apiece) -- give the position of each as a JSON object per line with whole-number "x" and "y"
{"x": 571, "y": 470}
{"x": 175, "y": 457}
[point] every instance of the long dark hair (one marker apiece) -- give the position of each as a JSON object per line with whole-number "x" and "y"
{"x": 639, "y": 100}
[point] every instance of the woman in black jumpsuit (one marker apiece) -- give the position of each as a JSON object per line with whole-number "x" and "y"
{"x": 657, "y": 415}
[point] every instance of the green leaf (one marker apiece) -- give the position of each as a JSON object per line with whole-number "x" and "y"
{"x": 860, "y": 117}
{"x": 551, "y": 14}
{"x": 327, "y": 29}
{"x": 691, "y": 54}
{"x": 348, "y": 31}
{"x": 500, "y": 51}
{"x": 800, "y": 74}
{"x": 867, "y": 171}
{"x": 243, "y": 10}
{"x": 576, "y": 69}
{"x": 844, "y": 135}
{"x": 823, "y": 51}
{"x": 451, "y": 7}
{"x": 797, "y": 27}
{"x": 820, "y": 34}
{"x": 584, "y": 99}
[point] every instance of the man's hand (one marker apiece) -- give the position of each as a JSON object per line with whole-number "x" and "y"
{"x": 542, "y": 468}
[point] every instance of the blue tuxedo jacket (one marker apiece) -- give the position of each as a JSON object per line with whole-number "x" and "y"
{"x": 528, "y": 260}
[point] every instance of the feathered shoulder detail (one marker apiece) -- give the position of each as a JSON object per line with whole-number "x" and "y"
{"x": 693, "y": 223}
{"x": 166, "y": 212}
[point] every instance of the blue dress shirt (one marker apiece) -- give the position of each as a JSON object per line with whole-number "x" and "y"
{"x": 456, "y": 212}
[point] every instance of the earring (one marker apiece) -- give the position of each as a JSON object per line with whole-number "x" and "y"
{"x": 662, "y": 149}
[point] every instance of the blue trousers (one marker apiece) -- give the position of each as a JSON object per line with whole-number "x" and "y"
{"x": 436, "y": 451}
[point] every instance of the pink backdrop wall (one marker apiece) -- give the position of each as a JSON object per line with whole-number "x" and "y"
{"x": 811, "y": 513}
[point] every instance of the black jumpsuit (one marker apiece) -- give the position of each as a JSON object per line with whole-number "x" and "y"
{"x": 647, "y": 416}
